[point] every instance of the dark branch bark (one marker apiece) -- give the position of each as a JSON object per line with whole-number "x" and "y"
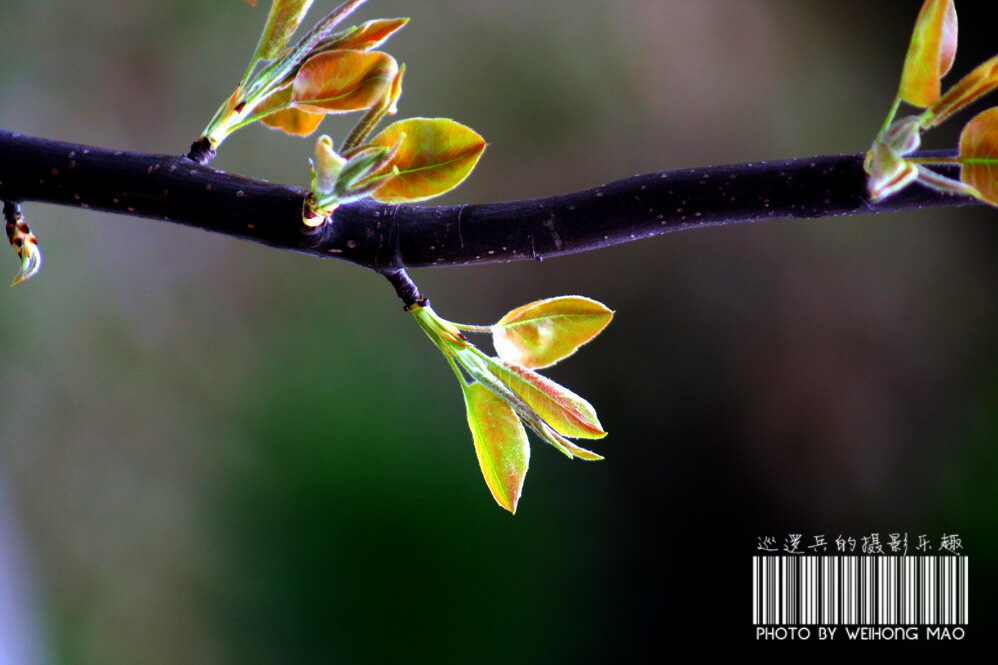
{"x": 388, "y": 238}
{"x": 405, "y": 288}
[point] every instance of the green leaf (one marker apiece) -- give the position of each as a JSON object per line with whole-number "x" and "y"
{"x": 566, "y": 413}
{"x": 285, "y": 117}
{"x": 500, "y": 443}
{"x": 541, "y": 333}
{"x": 327, "y": 165}
{"x": 282, "y": 22}
{"x": 979, "y": 82}
{"x": 435, "y": 156}
{"x": 979, "y": 155}
{"x": 343, "y": 81}
{"x": 365, "y": 36}
{"x": 930, "y": 53}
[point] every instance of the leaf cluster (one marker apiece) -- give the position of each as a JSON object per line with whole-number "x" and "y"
{"x": 931, "y": 53}
{"x": 292, "y": 88}
{"x": 504, "y": 393}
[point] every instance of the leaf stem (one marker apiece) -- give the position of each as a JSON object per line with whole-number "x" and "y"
{"x": 405, "y": 288}
{"x": 937, "y": 161}
{"x": 472, "y": 328}
{"x": 249, "y": 72}
{"x": 457, "y": 371}
{"x": 259, "y": 116}
{"x": 890, "y": 116}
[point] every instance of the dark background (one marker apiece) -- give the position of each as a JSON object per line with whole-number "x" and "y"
{"x": 214, "y": 452}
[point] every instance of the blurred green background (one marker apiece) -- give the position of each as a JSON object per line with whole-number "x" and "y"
{"x": 214, "y": 452}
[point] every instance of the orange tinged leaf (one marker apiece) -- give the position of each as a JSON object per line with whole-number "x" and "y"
{"x": 291, "y": 120}
{"x": 930, "y": 53}
{"x": 566, "y": 413}
{"x": 343, "y": 81}
{"x": 979, "y": 155}
{"x": 544, "y": 332}
{"x": 435, "y": 156}
{"x": 283, "y": 20}
{"x": 367, "y": 36}
{"x": 979, "y": 82}
{"x": 500, "y": 444}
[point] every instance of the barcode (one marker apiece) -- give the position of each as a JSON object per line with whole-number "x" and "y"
{"x": 859, "y": 590}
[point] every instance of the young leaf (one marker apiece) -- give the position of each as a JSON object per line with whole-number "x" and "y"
{"x": 888, "y": 172}
{"x": 979, "y": 82}
{"x": 342, "y": 81}
{"x": 479, "y": 367}
{"x": 23, "y": 240}
{"x": 566, "y": 413}
{"x": 443, "y": 333}
{"x": 387, "y": 106}
{"x": 360, "y": 165}
{"x": 560, "y": 442}
{"x": 365, "y": 36}
{"x": 544, "y": 332}
{"x": 327, "y": 165}
{"x": 436, "y": 155}
{"x": 945, "y": 185}
{"x": 284, "y": 18}
{"x": 323, "y": 29}
{"x": 930, "y": 54}
{"x": 283, "y": 69}
{"x": 904, "y": 135}
{"x": 500, "y": 443}
{"x": 979, "y": 155}
{"x": 289, "y": 120}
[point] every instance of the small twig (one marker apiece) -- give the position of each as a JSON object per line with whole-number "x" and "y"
{"x": 406, "y": 289}
{"x": 11, "y": 214}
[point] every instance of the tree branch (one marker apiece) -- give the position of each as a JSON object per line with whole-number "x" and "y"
{"x": 388, "y": 238}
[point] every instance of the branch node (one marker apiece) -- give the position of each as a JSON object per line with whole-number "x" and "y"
{"x": 406, "y": 289}
{"x": 201, "y": 151}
